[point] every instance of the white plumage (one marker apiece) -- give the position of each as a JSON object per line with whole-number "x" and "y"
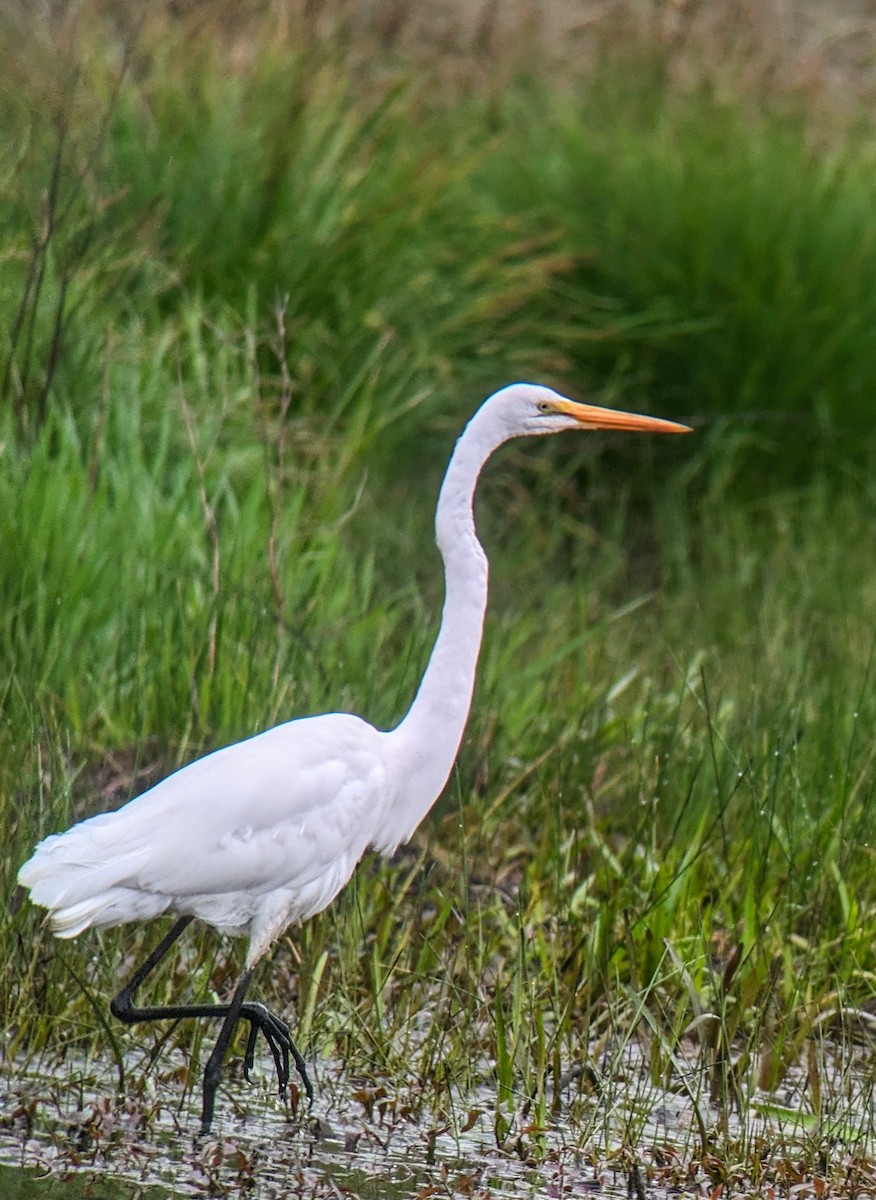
{"x": 236, "y": 838}
{"x": 267, "y": 831}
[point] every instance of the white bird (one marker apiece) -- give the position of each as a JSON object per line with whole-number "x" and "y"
{"x": 266, "y": 832}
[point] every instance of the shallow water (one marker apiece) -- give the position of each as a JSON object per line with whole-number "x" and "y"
{"x": 72, "y": 1131}
{"x": 66, "y": 1134}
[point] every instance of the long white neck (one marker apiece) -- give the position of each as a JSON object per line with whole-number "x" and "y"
{"x": 422, "y": 749}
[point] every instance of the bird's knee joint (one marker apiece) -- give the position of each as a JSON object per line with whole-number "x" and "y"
{"x": 121, "y": 1008}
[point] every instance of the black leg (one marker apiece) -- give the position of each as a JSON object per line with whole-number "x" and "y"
{"x": 122, "y": 1004}
{"x": 276, "y": 1032}
{"x": 213, "y": 1069}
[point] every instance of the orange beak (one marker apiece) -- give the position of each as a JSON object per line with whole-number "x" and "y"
{"x": 591, "y": 416}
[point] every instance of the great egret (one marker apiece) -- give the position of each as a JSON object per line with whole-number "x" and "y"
{"x": 267, "y": 831}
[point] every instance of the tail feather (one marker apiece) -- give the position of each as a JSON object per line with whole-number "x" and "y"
{"x": 112, "y": 907}
{"x": 80, "y": 877}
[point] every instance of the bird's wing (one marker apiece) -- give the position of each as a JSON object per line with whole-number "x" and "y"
{"x": 274, "y": 811}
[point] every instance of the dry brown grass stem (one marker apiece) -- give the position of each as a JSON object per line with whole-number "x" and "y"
{"x": 820, "y": 51}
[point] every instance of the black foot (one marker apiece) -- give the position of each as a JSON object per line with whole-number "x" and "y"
{"x": 279, "y": 1038}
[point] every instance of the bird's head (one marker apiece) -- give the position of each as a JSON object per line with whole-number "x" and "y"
{"x": 528, "y": 410}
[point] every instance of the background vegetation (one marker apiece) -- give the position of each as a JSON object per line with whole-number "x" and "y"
{"x": 252, "y": 283}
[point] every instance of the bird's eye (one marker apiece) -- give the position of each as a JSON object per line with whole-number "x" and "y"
{"x": 544, "y": 406}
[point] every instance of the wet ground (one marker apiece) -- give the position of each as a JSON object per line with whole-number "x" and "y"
{"x": 61, "y": 1137}
{"x": 65, "y": 1133}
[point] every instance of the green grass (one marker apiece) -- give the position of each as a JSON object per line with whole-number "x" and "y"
{"x": 239, "y": 337}
{"x": 721, "y": 258}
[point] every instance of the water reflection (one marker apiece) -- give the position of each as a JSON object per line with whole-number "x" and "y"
{"x": 63, "y": 1129}
{"x": 65, "y": 1135}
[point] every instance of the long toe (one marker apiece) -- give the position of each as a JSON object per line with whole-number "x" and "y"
{"x": 279, "y": 1038}
{"x": 249, "y": 1055}
{"x": 276, "y": 1034}
{"x": 281, "y": 1057}
{"x": 301, "y": 1067}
